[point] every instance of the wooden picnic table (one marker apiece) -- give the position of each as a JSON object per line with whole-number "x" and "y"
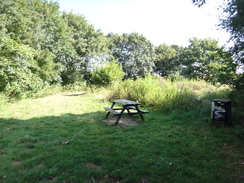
{"x": 127, "y": 105}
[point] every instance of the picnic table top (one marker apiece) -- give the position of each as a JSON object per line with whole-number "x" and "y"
{"x": 126, "y": 102}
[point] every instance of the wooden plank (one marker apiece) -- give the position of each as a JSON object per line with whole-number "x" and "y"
{"x": 126, "y": 102}
{"x": 141, "y": 110}
{"x": 111, "y": 110}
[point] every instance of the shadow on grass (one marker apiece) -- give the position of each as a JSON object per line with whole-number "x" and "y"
{"x": 74, "y": 94}
{"x": 65, "y": 123}
{"x": 39, "y": 149}
{"x": 82, "y": 148}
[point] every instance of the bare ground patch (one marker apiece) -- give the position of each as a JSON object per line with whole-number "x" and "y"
{"x": 124, "y": 121}
{"x": 16, "y": 162}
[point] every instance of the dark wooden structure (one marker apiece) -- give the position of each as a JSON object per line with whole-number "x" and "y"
{"x": 127, "y": 105}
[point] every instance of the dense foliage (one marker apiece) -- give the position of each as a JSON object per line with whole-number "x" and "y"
{"x": 42, "y": 46}
{"x": 232, "y": 20}
{"x": 204, "y": 59}
{"x": 107, "y": 74}
{"x": 166, "y": 59}
{"x": 134, "y": 52}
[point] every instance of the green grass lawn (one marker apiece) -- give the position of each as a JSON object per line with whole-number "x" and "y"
{"x": 62, "y": 138}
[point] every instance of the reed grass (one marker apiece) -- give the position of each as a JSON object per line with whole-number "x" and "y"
{"x": 157, "y": 92}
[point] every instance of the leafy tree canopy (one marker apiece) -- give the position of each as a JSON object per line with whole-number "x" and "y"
{"x": 166, "y": 61}
{"x": 198, "y": 2}
{"x": 232, "y": 20}
{"x": 204, "y": 59}
{"x": 64, "y": 43}
{"x": 134, "y": 52}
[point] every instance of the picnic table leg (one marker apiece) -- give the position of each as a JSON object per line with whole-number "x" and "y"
{"x": 128, "y": 110}
{"x": 139, "y": 112}
{"x": 108, "y": 111}
{"x": 119, "y": 116}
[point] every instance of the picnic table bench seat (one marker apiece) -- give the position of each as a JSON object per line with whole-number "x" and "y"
{"x": 141, "y": 110}
{"x": 112, "y": 111}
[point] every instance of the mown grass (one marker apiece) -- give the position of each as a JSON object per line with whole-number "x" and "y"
{"x": 62, "y": 138}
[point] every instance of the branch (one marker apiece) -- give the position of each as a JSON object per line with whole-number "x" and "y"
{"x": 198, "y": 3}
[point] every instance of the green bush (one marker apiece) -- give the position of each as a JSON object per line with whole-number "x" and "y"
{"x": 155, "y": 92}
{"x": 22, "y": 84}
{"x": 47, "y": 90}
{"x": 107, "y": 74}
{"x": 17, "y": 66}
{"x": 77, "y": 86}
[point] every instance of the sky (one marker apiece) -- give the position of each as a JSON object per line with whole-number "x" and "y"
{"x": 160, "y": 21}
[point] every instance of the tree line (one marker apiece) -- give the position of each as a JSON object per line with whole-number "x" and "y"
{"x": 41, "y": 46}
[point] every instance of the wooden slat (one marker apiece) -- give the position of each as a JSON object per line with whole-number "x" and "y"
{"x": 126, "y": 102}
{"x": 143, "y": 111}
{"x": 111, "y": 110}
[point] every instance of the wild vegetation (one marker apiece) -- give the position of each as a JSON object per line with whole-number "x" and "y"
{"x": 42, "y": 47}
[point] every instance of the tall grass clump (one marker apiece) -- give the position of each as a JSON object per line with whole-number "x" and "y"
{"x": 170, "y": 93}
{"x": 47, "y": 90}
{"x": 44, "y": 90}
{"x": 5, "y": 97}
{"x": 3, "y": 100}
{"x": 76, "y": 87}
{"x": 154, "y": 91}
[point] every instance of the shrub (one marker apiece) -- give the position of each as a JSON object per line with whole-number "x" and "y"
{"x": 17, "y": 63}
{"x": 22, "y": 84}
{"x": 107, "y": 74}
{"x": 80, "y": 85}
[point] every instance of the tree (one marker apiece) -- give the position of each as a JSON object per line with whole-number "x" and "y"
{"x": 64, "y": 42}
{"x": 198, "y": 3}
{"x": 204, "y": 59}
{"x": 37, "y": 24}
{"x": 134, "y": 52}
{"x": 166, "y": 59}
{"x": 87, "y": 45}
{"x": 232, "y": 20}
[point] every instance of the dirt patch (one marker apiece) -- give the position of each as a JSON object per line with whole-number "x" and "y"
{"x": 124, "y": 121}
{"x": 92, "y": 166}
{"x": 236, "y": 164}
{"x": 74, "y": 94}
{"x": 51, "y": 179}
{"x": 107, "y": 178}
{"x": 40, "y": 165}
{"x": 16, "y": 162}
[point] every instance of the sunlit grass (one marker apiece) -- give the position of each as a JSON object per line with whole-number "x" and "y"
{"x": 62, "y": 138}
{"x": 158, "y": 92}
